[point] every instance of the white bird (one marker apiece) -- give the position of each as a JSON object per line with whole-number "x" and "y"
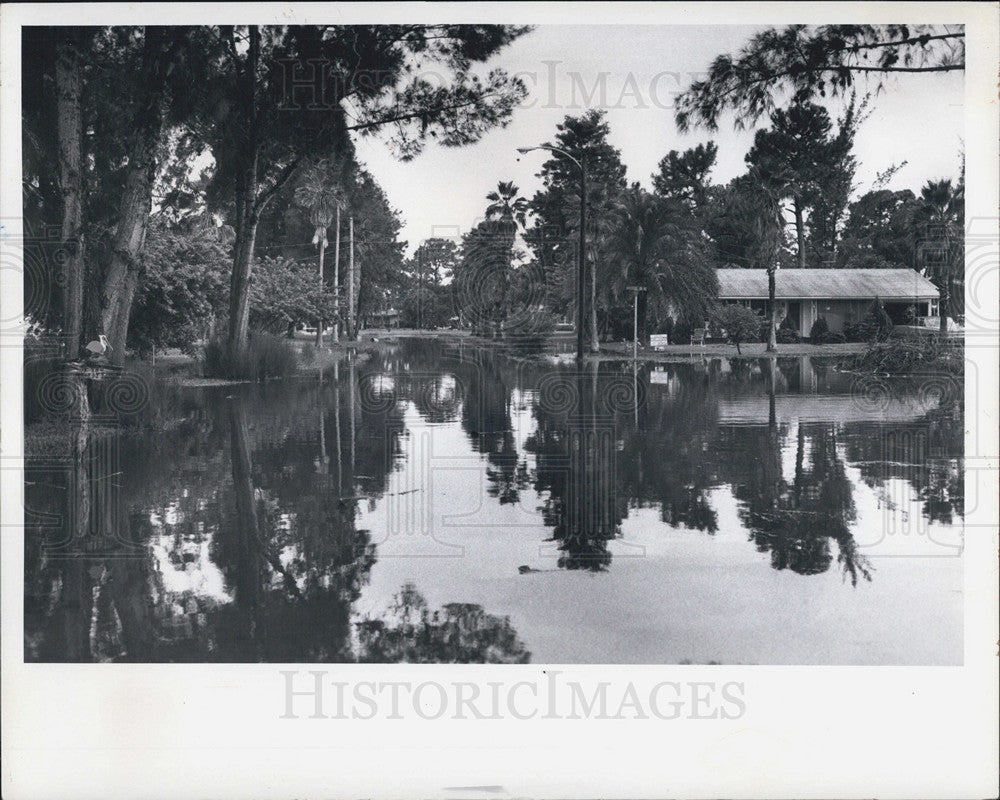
{"x": 99, "y": 347}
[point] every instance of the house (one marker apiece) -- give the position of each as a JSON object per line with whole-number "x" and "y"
{"x": 387, "y": 318}
{"x": 842, "y": 296}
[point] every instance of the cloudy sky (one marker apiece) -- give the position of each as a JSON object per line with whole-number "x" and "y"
{"x": 634, "y": 73}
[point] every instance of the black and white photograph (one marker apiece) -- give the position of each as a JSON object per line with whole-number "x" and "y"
{"x": 340, "y": 339}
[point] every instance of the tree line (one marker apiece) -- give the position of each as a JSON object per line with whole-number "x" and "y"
{"x": 117, "y": 121}
{"x": 798, "y": 205}
{"x": 183, "y": 179}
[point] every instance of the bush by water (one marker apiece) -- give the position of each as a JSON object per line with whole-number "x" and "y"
{"x": 265, "y": 356}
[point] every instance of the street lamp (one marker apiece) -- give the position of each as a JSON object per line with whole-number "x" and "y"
{"x": 580, "y": 279}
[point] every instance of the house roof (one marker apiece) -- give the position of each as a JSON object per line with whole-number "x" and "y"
{"x": 825, "y": 284}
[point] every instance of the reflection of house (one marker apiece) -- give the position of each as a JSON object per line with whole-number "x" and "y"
{"x": 841, "y": 295}
{"x": 858, "y": 407}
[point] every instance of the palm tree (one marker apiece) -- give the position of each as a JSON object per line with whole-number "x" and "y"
{"x": 652, "y": 244}
{"x": 321, "y": 192}
{"x": 601, "y": 204}
{"x": 507, "y": 210}
{"x": 762, "y": 201}
{"x": 940, "y": 226}
{"x": 506, "y": 205}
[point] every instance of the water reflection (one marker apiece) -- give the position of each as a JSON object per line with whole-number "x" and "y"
{"x": 459, "y": 633}
{"x": 226, "y": 525}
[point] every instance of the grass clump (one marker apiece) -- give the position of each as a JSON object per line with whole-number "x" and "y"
{"x": 265, "y": 356}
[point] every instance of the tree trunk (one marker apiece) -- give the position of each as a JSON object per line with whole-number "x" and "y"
{"x": 70, "y": 125}
{"x": 350, "y": 285}
{"x": 642, "y": 305}
{"x": 319, "y": 318}
{"x": 594, "y": 341}
{"x": 123, "y": 267}
{"x": 800, "y": 233}
{"x": 336, "y": 281}
{"x": 239, "y": 286}
{"x": 249, "y": 573}
{"x": 248, "y": 208}
{"x": 772, "y": 342}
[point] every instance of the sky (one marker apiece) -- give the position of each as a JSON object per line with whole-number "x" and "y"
{"x": 635, "y": 72}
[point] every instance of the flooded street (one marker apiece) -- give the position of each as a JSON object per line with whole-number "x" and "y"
{"x": 447, "y": 502}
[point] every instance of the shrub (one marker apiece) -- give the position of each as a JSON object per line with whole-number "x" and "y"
{"x": 682, "y": 331}
{"x": 820, "y": 333}
{"x": 875, "y": 326}
{"x": 787, "y": 333}
{"x": 740, "y": 323}
{"x": 530, "y": 328}
{"x": 852, "y": 332}
{"x": 265, "y": 356}
{"x": 819, "y": 330}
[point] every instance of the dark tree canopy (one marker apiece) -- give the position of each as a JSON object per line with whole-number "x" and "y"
{"x": 684, "y": 176}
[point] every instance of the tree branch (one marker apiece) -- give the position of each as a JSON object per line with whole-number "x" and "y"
{"x": 901, "y": 42}
{"x": 418, "y": 114}
{"x": 280, "y": 181}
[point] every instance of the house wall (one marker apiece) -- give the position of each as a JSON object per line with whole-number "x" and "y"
{"x": 838, "y": 313}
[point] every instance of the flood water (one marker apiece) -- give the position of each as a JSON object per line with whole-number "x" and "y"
{"x": 436, "y": 502}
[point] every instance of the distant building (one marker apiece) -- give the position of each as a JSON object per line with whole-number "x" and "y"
{"x": 387, "y": 318}
{"x": 842, "y": 296}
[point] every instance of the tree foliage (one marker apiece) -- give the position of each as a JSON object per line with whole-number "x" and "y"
{"x": 685, "y": 176}
{"x": 803, "y": 161}
{"x": 808, "y": 62}
{"x": 740, "y": 323}
{"x": 554, "y": 236}
{"x": 281, "y": 97}
{"x": 654, "y": 243}
{"x": 184, "y": 286}
{"x": 285, "y": 293}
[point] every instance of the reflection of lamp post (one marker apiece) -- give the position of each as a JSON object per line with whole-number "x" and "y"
{"x": 635, "y": 318}
{"x": 583, "y": 240}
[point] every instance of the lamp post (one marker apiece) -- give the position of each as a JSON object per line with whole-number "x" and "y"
{"x": 581, "y": 269}
{"x": 635, "y": 318}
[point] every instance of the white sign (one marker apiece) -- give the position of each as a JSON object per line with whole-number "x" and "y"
{"x": 659, "y": 340}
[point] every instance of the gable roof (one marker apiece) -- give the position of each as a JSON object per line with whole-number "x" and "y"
{"x": 826, "y": 284}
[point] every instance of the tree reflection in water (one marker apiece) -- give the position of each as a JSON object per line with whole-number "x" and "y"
{"x": 795, "y": 521}
{"x": 226, "y": 526}
{"x": 575, "y": 448}
{"x": 458, "y": 633}
{"x": 486, "y": 418}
